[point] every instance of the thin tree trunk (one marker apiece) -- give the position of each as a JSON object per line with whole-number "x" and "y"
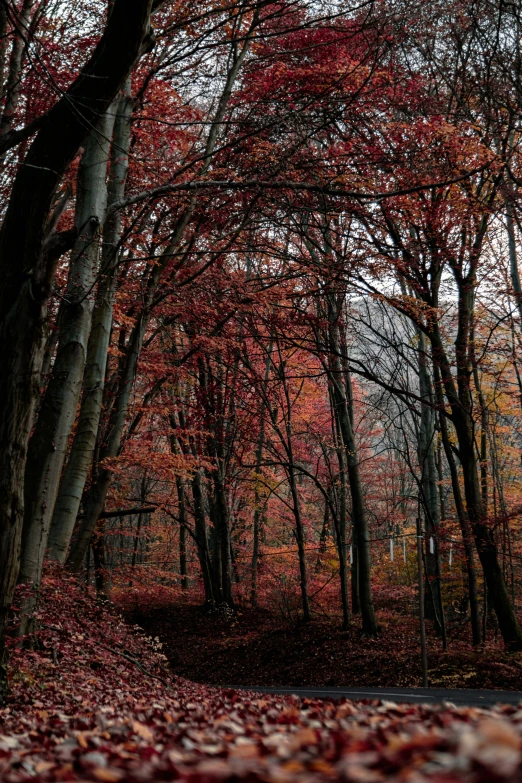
{"x": 343, "y": 511}
{"x": 370, "y": 626}
{"x": 182, "y": 512}
{"x": 299, "y": 535}
{"x": 426, "y": 452}
{"x": 287, "y": 443}
{"x": 200, "y": 523}
{"x": 513, "y": 260}
{"x": 257, "y": 494}
{"x": 467, "y": 535}
{"x": 136, "y": 541}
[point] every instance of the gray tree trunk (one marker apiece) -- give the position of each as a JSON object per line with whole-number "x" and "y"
{"x": 79, "y": 463}
{"x": 94, "y": 500}
{"x": 49, "y": 442}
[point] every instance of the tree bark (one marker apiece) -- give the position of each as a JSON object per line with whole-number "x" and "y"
{"x": 342, "y": 509}
{"x": 257, "y": 497}
{"x": 95, "y": 497}
{"x": 27, "y": 273}
{"x": 82, "y": 451}
{"x": 461, "y": 410}
{"x": 57, "y": 412}
{"x": 101, "y": 580}
{"x": 370, "y": 626}
{"x": 467, "y": 535}
{"x": 426, "y": 454}
{"x": 182, "y": 533}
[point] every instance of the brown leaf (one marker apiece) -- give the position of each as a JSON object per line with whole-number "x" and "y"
{"x": 300, "y": 739}
{"x": 142, "y": 731}
{"x": 244, "y": 751}
{"x": 499, "y": 732}
{"x": 43, "y": 766}
{"x": 107, "y": 775}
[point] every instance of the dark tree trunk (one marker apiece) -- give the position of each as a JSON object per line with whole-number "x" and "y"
{"x": 27, "y": 269}
{"x": 467, "y": 536}
{"x": 341, "y": 393}
{"x": 342, "y": 509}
{"x": 101, "y": 579}
{"x": 461, "y": 410}
{"x": 182, "y": 512}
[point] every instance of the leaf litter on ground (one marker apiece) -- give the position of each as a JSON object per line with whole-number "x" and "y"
{"x": 95, "y": 701}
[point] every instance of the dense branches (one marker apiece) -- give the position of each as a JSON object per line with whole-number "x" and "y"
{"x": 260, "y": 273}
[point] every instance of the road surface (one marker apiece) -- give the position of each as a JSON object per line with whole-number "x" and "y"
{"x": 459, "y": 697}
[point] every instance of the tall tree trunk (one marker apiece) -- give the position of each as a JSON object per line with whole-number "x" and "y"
{"x": 223, "y": 587}
{"x": 467, "y": 535}
{"x": 342, "y": 511}
{"x": 95, "y": 496}
{"x": 182, "y": 512}
{"x": 200, "y": 524}
{"x": 27, "y": 268}
{"x": 286, "y": 439}
{"x": 57, "y": 412}
{"x": 426, "y": 451}
{"x": 464, "y": 426}
{"x": 299, "y": 536}
{"x": 136, "y": 541}
{"x": 82, "y": 451}
{"x": 370, "y": 626}
{"x": 257, "y": 495}
{"x": 513, "y": 260}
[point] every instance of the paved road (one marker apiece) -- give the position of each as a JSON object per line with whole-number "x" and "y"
{"x": 459, "y": 697}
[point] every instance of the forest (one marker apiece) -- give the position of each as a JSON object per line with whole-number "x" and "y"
{"x": 261, "y": 338}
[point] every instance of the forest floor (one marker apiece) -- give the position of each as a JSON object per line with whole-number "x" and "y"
{"x": 259, "y": 648}
{"x": 93, "y": 699}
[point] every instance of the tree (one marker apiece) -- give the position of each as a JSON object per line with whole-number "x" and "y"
{"x": 28, "y": 266}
